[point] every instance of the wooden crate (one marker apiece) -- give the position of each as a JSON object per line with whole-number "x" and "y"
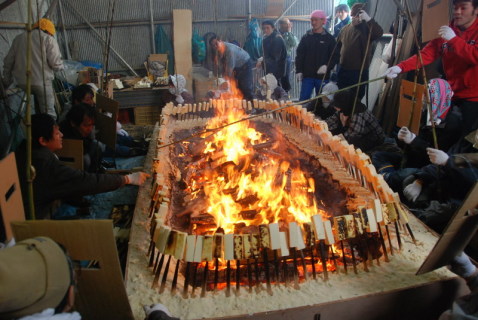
{"x": 146, "y": 115}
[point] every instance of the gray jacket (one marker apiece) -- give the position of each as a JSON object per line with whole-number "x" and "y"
{"x": 14, "y": 64}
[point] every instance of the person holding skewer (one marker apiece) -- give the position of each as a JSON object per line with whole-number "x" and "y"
{"x": 457, "y": 45}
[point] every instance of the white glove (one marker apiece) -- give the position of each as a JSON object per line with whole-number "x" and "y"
{"x": 462, "y": 265}
{"x": 179, "y": 99}
{"x": 122, "y": 132}
{"x": 406, "y": 135}
{"x": 437, "y": 157}
{"x": 137, "y": 178}
{"x": 364, "y": 16}
{"x": 299, "y": 76}
{"x": 392, "y": 72}
{"x": 156, "y": 307}
{"x": 412, "y": 191}
{"x": 446, "y": 33}
{"x": 322, "y": 69}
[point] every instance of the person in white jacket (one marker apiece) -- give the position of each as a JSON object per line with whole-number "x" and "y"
{"x": 44, "y": 48}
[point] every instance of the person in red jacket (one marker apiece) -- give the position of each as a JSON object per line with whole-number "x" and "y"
{"x": 458, "y": 48}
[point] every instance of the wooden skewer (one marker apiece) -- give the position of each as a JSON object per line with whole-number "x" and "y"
{"x": 382, "y": 242}
{"x": 165, "y": 276}
{"x": 323, "y": 259}
{"x": 354, "y": 261}
{"x": 216, "y": 274}
{"x": 204, "y": 280}
{"x": 175, "y": 278}
{"x": 186, "y": 280}
{"x": 238, "y": 276}
{"x": 195, "y": 271}
{"x": 228, "y": 279}
{"x": 158, "y": 272}
{"x": 344, "y": 260}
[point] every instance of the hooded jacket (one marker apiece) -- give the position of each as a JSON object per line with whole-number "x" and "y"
{"x": 459, "y": 58}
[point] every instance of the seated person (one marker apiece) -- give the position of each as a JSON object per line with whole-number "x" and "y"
{"x": 55, "y": 181}
{"x": 359, "y": 127}
{"x": 271, "y": 90}
{"x": 445, "y": 182}
{"x": 447, "y": 121}
{"x": 320, "y": 107}
{"x": 223, "y": 90}
{"x": 126, "y": 146}
{"x": 177, "y": 92}
{"x": 79, "y": 124}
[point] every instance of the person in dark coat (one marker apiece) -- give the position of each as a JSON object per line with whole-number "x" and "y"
{"x": 275, "y": 52}
{"x": 55, "y": 181}
{"x": 358, "y": 125}
{"x": 316, "y": 56}
{"x": 79, "y": 124}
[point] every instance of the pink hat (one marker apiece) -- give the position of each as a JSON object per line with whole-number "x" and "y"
{"x": 318, "y": 14}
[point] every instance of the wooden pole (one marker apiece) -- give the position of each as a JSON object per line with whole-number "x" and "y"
{"x": 28, "y": 115}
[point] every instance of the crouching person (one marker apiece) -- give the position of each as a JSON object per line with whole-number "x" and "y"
{"x": 55, "y": 181}
{"x": 37, "y": 281}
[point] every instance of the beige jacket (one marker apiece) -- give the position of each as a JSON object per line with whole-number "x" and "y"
{"x": 14, "y": 64}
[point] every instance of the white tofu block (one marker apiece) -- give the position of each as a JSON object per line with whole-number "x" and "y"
{"x": 329, "y": 235}
{"x": 207, "y": 247}
{"x": 238, "y": 246}
{"x": 180, "y": 245}
{"x": 190, "y": 245}
{"x": 295, "y": 236}
{"x": 350, "y": 232}
{"x": 247, "y": 246}
{"x": 372, "y": 223}
{"x": 163, "y": 238}
{"x": 171, "y": 244}
{"x": 229, "y": 246}
{"x": 318, "y": 226}
{"x": 265, "y": 237}
{"x": 274, "y": 234}
{"x": 163, "y": 211}
{"x": 198, "y": 249}
{"x": 156, "y": 232}
{"x": 218, "y": 245}
{"x": 284, "y": 248}
{"x": 377, "y": 208}
{"x": 255, "y": 244}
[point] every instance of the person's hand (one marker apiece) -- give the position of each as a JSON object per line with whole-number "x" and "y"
{"x": 462, "y": 265}
{"x": 179, "y": 99}
{"x": 343, "y": 119}
{"x": 437, "y": 157}
{"x": 148, "y": 310}
{"x": 413, "y": 190}
{"x": 137, "y": 178}
{"x": 299, "y": 76}
{"x": 446, "y": 33}
{"x": 393, "y": 72}
{"x": 322, "y": 69}
{"x": 406, "y": 135}
{"x": 364, "y": 16}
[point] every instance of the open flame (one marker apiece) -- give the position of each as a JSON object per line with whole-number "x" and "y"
{"x": 251, "y": 189}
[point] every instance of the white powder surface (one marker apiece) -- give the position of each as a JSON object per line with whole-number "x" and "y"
{"x": 397, "y": 274}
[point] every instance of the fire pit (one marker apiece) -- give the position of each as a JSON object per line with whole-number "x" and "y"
{"x": 254, "y": 203}
{"x": 264, "y": 205}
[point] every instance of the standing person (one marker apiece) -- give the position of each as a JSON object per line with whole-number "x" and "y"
{"x": 342, "y": 13}
{"x": 458, "y": 48}
{"x": 56, "y": 181}
{"x": 291, "y": 41}
{"x": 353, "y": 43}
{"x": 316, "y": 56}
{"x": 46, "y": 59}
{"x": 275, "y": 52}
{"x": 235, "y": 62}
